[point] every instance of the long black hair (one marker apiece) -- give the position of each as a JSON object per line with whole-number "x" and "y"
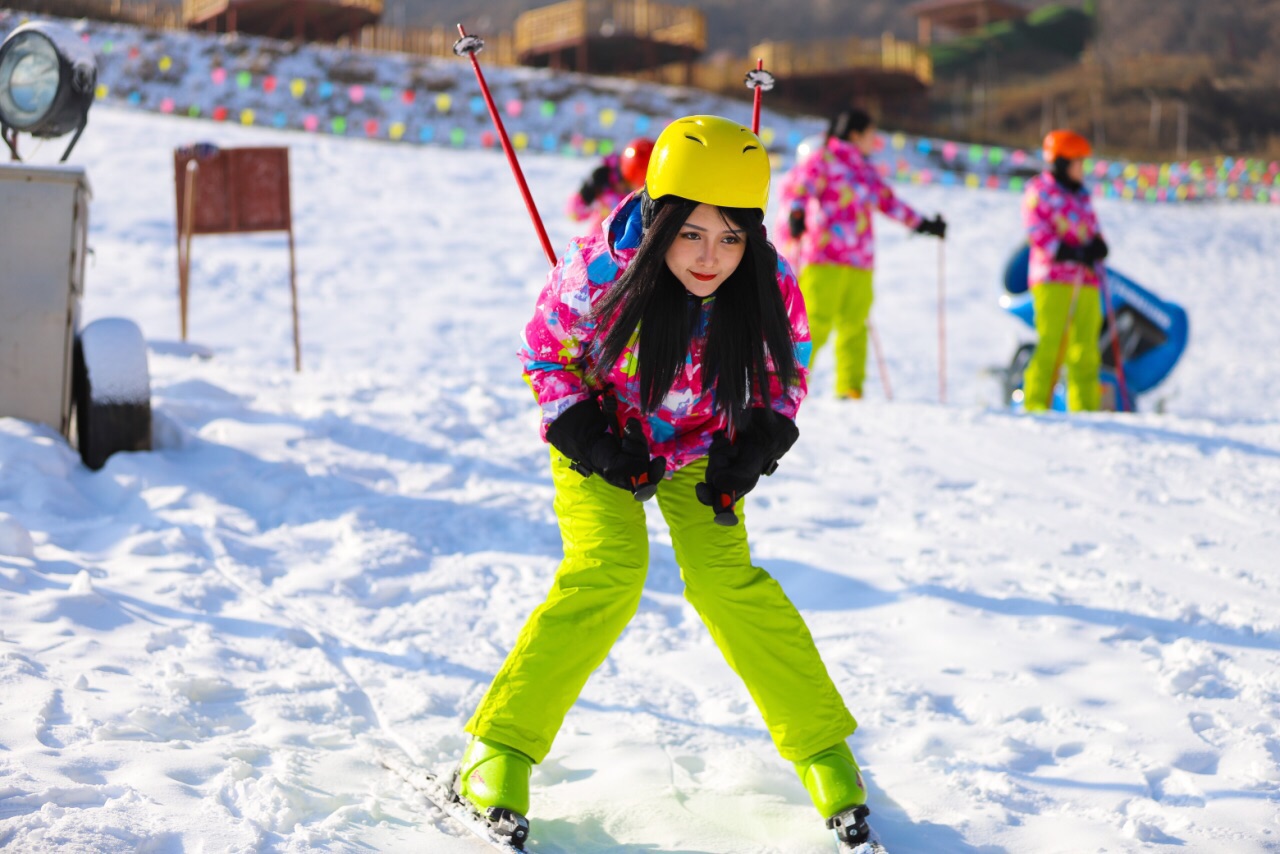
{"x": 849, "y": 120}
{"x": 748, "y": 328}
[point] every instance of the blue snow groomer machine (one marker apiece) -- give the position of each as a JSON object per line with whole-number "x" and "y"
{"x": 1153, "y": 335}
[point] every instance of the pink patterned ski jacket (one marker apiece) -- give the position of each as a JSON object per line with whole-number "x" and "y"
{"x": 559, "y": 347}
{"x": 1055, "y": 215}
{"x": 839, "y": 190}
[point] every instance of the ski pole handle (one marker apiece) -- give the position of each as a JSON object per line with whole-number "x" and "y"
{"x": 631, "y": 440}
{"x": 469, "y": 46}
{"x": 721, "y": 502}
{"x": 759, "y": 81}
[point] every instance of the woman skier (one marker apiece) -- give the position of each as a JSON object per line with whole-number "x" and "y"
{"x": 667, "y": 353}
{"x": 615, "y": 177}
{"x": 829, "y": 198}
{"x": 1066, "y": 251}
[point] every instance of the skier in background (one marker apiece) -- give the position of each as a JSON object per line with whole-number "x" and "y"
{"x": 679, "y": 324}
{"x": 828, "y": 199}
{"x": 1066, "y": 249}
{"x": 615, "y": 177}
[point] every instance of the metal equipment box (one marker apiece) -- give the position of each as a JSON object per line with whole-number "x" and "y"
{"x": 44, "y": 221}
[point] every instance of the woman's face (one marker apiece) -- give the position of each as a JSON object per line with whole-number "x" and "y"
{"x": 706, "y": 251}
{"x": 1075, "y": 170}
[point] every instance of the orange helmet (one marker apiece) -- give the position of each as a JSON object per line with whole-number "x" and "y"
{"x": 635, "y": 161}
{"x": 1066, "y": 144}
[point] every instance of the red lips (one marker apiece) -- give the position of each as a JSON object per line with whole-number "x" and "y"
{"x": 703, "y": 277}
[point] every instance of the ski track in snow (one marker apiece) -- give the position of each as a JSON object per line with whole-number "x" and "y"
{"x": 1058, "y": 634}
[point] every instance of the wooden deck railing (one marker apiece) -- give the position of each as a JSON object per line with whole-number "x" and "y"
{"x": 802, "y": 60}
{"x": 144, "y": 14}
{"x": 499, "y": 49}
{"x": 786, "y": 59}
{"x": 574, "y": 20}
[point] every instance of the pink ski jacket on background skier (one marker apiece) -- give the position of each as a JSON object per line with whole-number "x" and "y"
{"x": 839, "y": 191}
{"x": 1055, "y": 215}
{"x": 559, "y": 348}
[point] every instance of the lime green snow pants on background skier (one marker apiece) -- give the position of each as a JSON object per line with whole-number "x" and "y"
{"x": 597, "y": 590}
{"x": 838, "y": 298}
{"x": 1052, "y": 305}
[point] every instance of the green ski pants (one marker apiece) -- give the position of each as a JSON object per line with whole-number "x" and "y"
{"x": 1052, "y": 305}
{"x": 838, "y": 299}
{"x": 597, "y": 590}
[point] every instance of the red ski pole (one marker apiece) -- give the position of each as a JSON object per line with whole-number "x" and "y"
{"x": 880, "y": 362}
{"x": 470, "y": 46}
{"x": 1116, "y": 349}
{"x": 759, "y": 81}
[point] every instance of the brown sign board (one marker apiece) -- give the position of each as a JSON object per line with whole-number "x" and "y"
{"x": 237, "y": 189}
{"x": 232, "y": 191}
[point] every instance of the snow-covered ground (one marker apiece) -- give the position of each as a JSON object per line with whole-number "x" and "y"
{"x": 1058, "y": 634}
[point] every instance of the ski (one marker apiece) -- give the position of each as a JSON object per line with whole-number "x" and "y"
{"x": 504, "y": 830}
{"x": 873, "y": 847}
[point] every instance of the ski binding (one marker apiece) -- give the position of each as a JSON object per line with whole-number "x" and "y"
{"x": 853, "y": 834}
{"x": 505, "y": 830}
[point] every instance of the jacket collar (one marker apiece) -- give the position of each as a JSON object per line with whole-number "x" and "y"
{"x": 1075, "y": 188}
{"x": 846, "y": 150}
{"x": 623, "y": 228}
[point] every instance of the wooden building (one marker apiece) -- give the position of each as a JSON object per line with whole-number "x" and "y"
{"x": 300, "y": 20}
{"x": 887, "y": 76}
{"x": 959, "y": 17}
{"x": 610, "y": 36}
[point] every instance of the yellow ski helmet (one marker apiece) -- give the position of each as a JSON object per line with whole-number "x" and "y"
{"x": 710, "y": 160}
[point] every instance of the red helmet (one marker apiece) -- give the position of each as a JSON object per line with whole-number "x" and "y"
{"x": 1066, "y": 144}
{"x": 635, "y": 161}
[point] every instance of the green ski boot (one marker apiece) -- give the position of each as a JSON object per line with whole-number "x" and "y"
{"x": 835, "y": 785}
{"x": 494, "y": 775}
{"x": 832, "y": 780}
{"x": 494, "y": 780}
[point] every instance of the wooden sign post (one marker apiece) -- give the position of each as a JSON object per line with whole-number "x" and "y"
{"x": 232, "y": 191}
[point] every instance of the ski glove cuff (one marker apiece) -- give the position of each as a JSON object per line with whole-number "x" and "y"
{"x": 582, "y": 433}
{"x": 795, "y": 223}
{"x": 936, "y": 227}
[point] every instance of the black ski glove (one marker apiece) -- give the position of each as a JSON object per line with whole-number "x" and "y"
{"x": 595, "y": 185}
{"x": 936, "y": 227}
{"x": 1096, "y": 250}
{"x": 734, "y": 469}
{"x": 1070, "y": 253}
{"x": 582, "y": 433}
{"x": 795, "y": 223}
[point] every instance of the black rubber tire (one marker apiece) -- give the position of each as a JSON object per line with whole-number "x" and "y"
{"x": 105, "y": 427}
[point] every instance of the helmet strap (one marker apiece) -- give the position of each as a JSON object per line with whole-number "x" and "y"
{"x": 648, "y": 209}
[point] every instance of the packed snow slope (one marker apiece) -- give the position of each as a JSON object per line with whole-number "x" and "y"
{"x": 1059, "y": 634}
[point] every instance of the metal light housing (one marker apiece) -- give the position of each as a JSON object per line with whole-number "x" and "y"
{"x": 47, "y": 81}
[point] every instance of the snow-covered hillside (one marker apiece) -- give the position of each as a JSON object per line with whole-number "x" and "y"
{"x": 1058, "y": 634}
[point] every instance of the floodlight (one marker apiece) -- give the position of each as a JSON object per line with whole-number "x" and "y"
{"x": 47, "y": 81}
